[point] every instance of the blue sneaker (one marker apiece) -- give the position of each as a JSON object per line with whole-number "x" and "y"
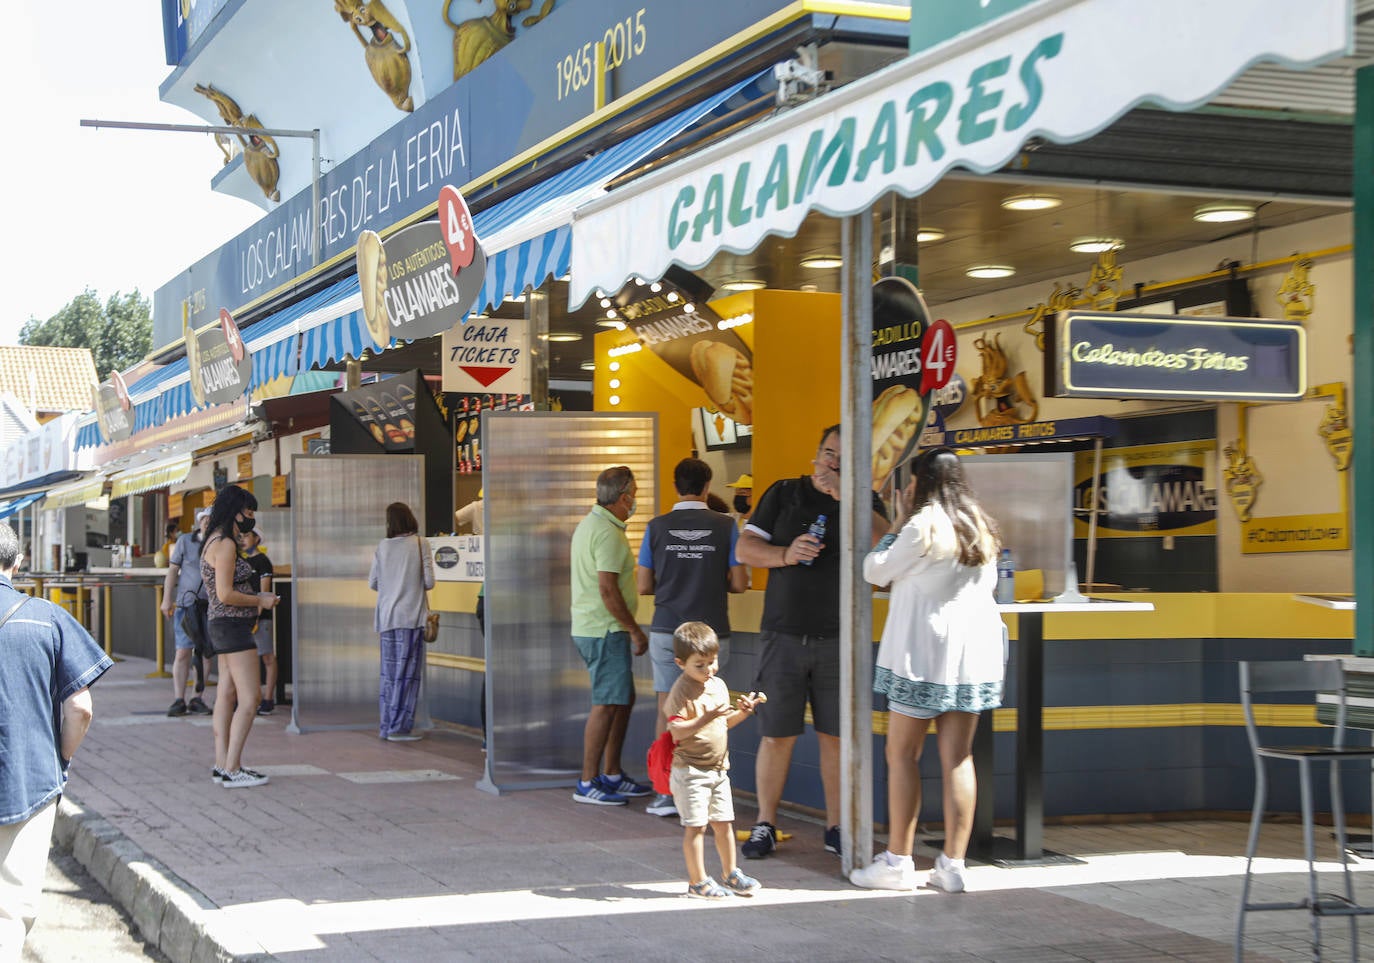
{"x": 626, "y": 787}
{"x": 594, "y": 793}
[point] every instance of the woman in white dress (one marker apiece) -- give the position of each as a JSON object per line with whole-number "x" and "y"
{"x": 941, "y": 658}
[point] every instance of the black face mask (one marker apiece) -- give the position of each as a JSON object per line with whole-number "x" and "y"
{"x": 246, "y": 525}
{"x": 741, "y": 503}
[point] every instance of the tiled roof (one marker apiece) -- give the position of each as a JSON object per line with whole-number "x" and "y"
{"x": 61, "y": 377}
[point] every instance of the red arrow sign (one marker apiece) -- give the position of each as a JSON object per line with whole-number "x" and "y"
{"x": 484, "y": 376}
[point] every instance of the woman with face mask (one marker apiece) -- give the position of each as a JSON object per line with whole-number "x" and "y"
{"x": 234, "y": 608}
{"x": 402, "y": 571}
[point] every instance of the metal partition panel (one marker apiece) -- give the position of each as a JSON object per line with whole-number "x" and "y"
{"x": 274, "y": 525}
{"x": 1031, "y": 496}
{"x": 539, "y": 475}
{"x": 338, "y": 517}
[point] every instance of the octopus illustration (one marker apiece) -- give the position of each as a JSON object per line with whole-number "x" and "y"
{"x": 387, "y": 59}
{"x": 259, "y": 150}
{"x": 1104, "y": 282}
{"x": 1061, "y": 299}
{"x": 1297, "y": 295}
{"x": 477, "y": 39}
{"x": 998, "y": 399}
{"x": 1243, "y": 479}
{"x": 1335, "y": 431}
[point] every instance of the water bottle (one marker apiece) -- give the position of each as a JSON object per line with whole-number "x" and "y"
{"x": 1006, "y": 578}
{"x": 817, "y": 529}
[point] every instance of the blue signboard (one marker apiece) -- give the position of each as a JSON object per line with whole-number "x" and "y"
{"x": 1092, "y": 355}
{"x": 461, "y": 134}
{"x": 1031, "y": 433}
{"x": 186, "y": 21}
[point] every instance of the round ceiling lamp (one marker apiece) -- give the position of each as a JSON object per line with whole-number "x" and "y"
{"x": 744, "y": 284}
{"x": 987, "y": 272}
{"x": 925, "y": 235}
{"x": 1030, "y": 202}
{"x": 1095, "y": 244}
{"x": 822, "y": 261}
{"x": 1224, "y": 212}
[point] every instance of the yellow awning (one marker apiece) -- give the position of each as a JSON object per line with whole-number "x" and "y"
{"x": 78, "y": 494}
{"x": 159, "y": 474}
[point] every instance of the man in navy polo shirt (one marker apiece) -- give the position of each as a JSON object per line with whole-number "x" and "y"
{"x": 47, "y": 663}
{"x": 687, "y": 562}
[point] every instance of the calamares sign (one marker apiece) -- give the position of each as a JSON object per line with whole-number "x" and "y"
{"x": 969, "y": 103}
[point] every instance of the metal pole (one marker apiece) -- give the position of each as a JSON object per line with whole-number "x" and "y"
{"x": 315, "y": 196}
{"x": 1092, "y": 515}
{"x": 856, "y": 484}
{"x": 160, "y": 636}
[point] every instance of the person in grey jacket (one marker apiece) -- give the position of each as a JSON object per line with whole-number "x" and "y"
{"x": 402, "y": 571}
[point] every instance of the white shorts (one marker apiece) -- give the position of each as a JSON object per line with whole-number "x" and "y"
{"x": 702, "y": 795}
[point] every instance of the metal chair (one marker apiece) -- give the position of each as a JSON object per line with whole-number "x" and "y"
{"x": 1325, "y": 681}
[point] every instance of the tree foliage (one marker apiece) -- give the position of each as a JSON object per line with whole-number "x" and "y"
{"x": 118, "y": 332}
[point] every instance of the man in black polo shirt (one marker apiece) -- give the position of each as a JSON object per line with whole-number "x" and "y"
{"x": 687, "y": 563}
{"x": 800, "y": 633}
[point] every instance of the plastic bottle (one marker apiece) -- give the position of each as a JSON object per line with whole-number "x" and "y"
{"x": 1006, "y": 578}
{"x": 817, "y": 530}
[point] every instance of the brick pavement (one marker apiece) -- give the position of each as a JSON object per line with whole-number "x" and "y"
{"x": 365, "y": 850}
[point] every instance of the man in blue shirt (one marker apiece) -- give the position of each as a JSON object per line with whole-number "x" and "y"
{"x": 47, "y": 663}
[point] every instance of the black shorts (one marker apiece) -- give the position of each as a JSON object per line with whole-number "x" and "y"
{"x": 794, "y": 671}
{"x": 232, "y": 635}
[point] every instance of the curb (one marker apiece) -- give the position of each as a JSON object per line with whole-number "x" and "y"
{"x": 180, "y": 920}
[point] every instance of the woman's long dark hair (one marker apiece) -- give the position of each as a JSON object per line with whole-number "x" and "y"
{"x": 400, "y": 520}
{"x": 940, "y": 481}
{"x": 228, "y": 503}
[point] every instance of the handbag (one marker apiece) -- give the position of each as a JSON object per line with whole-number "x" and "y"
{"x": 431, "y": 631}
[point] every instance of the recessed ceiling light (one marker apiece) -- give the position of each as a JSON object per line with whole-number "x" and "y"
{"x": 927, "y": 234}
{"x": 588, "y": 366}
{"x": 822, "y": 261}
{"x": 744, "y": 284}
{"x": 1223, "y": 212}
{"x": 990, "y": 271}
{"x": 605, "y": 302}
{"x": 809, "y": 288}
{"x": 1030, "y": 202}
{"x": 1095, "y": 245}
{"x": 564, "y": 336}
{"x": 610, "y": 323}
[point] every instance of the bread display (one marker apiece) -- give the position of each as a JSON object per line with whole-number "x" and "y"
{"x": 727, "y": 378}
{"x": 896, "y": 420}
{"x": 372, "y": 284}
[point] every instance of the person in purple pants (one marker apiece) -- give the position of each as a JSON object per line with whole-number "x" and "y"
{"x": 402, "y": 571}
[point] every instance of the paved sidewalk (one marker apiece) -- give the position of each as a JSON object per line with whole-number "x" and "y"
{"x": 364, "y": 850}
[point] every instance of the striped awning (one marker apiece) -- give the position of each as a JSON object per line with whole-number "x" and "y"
{"x": 528, "y": 238}
{"x": 145, "y": 478}
{"x": 19, "y": 504}
{"x": 68, "y": 496}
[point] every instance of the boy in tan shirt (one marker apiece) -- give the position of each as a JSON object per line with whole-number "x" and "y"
{"x": 699, "y": 717}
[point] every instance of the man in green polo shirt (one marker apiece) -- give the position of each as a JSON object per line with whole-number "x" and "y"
{"x": 604, "y": 629}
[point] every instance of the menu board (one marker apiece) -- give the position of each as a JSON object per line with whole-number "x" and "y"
{"x": 465, "y": 414}
{"x": 387, "y": 410}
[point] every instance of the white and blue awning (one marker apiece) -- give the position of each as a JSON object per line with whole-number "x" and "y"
{"x": 527, "y": 238}
{"x": 19, "y": 504}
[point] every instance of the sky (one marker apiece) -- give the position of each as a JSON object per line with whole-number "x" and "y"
{"x": 112, "y": 210}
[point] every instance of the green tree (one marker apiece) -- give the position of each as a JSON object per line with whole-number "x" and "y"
{"x": 119, "y": 332}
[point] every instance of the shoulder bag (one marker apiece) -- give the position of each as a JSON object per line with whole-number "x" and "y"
{"x": 431, "y": 618}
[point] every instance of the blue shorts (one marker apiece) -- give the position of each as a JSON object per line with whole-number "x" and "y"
{"x": 608, "y": 660}
{"x": 664, "y": 662}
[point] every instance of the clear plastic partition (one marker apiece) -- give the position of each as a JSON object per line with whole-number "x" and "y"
{"x": 539, "y": 480}
{"x": 339, "y": 516}
{"x": 1031, "y": 496}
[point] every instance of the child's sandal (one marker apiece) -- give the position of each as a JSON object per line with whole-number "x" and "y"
{"x": 708, "y": 888}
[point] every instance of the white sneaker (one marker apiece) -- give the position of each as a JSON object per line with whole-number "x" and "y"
{"x": 243, "y": 779}
{"x": 880, "y": 874}
{"x": 947, "y": 875}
